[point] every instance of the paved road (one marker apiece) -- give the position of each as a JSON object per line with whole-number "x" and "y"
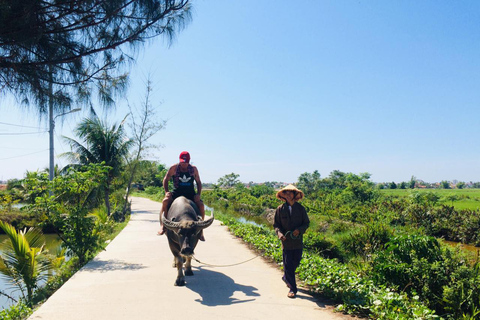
{"x": 133, "y": 279}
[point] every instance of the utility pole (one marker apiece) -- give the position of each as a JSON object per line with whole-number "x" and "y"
{"x": 51, "y": 121}
{"x": 50, "y": 131}
{"x": 52, "y": 127}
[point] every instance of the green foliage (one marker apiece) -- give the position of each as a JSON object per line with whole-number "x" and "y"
{"x": 317, "y": 243}
{"x": 412, "y": 182}
{"x": 394, "y": 265}
{"x": 446, "y": 222}
{"x": 261, "y": 190}
{"x": 334, "y": 280}
{"x": 46, "y": 43}
{"x": 462, "y": 296}
{"x": 18, "y": 311}
{"x": 359, "y": 189}
{"x": 440, "y": 276}
{"x": 23, "y": 261}
{"x": 7, "y": 201}
{"x": 20, "y": 219}
{"x": 153, "y": 190}
{"x": 309, "y": 182}
{"x": 71, "y": 194}
{"x": 362, "y": 226}
{"x": 367, "y": 240}
{"x": 228, "y": 180}
{"x": 248, "y": 201}
{"x": 100, "y": 143}
{"x": 150, "y": 174}
{"x": 67, "y": 209}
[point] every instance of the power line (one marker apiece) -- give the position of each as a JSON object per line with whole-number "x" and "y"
{"x": 17, "y": 125}
{"x": 19, "y": 134}
{"x": 2, "y": 147}
{"x": 23, "y": 155}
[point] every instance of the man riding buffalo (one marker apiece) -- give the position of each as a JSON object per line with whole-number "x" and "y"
{"x": 184, "y": 227}
{"x": 183, "y": 175}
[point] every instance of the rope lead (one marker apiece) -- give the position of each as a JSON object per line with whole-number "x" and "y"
{"x": 224, "y": 265}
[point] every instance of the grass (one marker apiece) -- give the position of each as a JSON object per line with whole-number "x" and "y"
{"x": 465, "y": 198}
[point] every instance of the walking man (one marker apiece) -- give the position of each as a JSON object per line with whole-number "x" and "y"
{"x": 290, "y": 223}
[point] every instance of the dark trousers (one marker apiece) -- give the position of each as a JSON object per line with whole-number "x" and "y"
{"x": 291, "y": 261}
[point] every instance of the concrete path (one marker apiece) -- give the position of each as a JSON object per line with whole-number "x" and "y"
{"x": 133, "y": 279}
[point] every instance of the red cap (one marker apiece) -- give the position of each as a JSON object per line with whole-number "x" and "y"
{"x": 185, "y": 157}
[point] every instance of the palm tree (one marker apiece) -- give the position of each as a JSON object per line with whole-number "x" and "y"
{"x": 24, "y": 262}
{"x": 56, "y": 170}
{"x": 100, "y": 143}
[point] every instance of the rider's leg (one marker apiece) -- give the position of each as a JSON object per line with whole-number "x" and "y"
{"x": 167, "y": 201}
{"x": 201, "y": 207}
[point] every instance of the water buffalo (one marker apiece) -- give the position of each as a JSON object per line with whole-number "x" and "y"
{"x": 184, "y": 223}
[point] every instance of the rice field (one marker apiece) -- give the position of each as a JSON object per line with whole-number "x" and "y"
{"x": 459, "y": 198}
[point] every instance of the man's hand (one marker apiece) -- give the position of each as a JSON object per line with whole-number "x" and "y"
{"x": 296, "y": 233}
{"x": 196, "y": 197}
{"x": 282, "y": 237}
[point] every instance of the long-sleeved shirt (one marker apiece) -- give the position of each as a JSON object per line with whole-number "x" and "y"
{"x": 285, "y": 221}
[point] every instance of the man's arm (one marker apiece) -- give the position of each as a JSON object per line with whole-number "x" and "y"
{"x": 198, "y": 181}
{"x": 277, "y": 225}
{"x": 305, "y": 220}
{"x": 167, "y": 178}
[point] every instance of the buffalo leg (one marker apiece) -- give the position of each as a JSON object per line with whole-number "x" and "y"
{"x": 180, "y": 277}
{"x": 188, "y": 267}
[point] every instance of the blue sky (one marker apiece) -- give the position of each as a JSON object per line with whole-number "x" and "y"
{"x": 271, "y": 89}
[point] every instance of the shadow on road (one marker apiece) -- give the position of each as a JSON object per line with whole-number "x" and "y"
{"x": 149, "y": 212}
{"x": 147, "y": 220}
{"x": 111, "y": 265}
{"x": 217, "y": 289}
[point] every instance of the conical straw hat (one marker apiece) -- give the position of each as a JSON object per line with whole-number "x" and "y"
{"x": 298, "y": 193}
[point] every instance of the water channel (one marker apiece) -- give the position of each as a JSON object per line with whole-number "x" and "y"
{"x": 468, "y": 247}
{"x": 240, "y": 218}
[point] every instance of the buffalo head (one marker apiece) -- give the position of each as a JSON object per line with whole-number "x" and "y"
{"x": 186, "y": 232}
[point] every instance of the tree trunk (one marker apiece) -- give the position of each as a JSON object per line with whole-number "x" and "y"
{"x": 132, "y": 174}
{"x": 107, "y": 199}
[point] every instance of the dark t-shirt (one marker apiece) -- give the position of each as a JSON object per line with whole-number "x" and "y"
{"x": 183, "y": 183}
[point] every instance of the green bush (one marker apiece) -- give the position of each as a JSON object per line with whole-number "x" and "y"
{"x": 339, "y": 226}
{"x": 462, "y": 296}
{"x": 441, "y": 276}
{"x": 67, "y": 209}
{"x": 334, "y": 280}
{"x": 18, "y": 311}
{"x": 319, "y": 244}
{"x": 367, "y": 240}
{"x": 153, "y": 190}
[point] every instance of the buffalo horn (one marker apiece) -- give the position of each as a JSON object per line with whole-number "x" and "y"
{"x": 169, "y": 224}
{"x": 205, "y": 224}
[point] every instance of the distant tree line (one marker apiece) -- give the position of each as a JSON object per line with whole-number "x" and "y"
{"x": 416, "y": 183}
